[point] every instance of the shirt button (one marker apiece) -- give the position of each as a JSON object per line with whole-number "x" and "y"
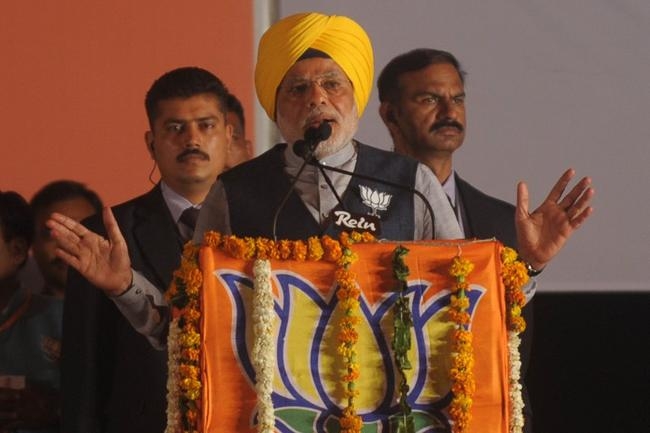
{"x": 323, "y": 186}
{"x": 138, "y": 291}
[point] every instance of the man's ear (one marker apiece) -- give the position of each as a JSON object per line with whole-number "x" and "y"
{"x": 148, "y": 139}
{"x": 229, "y": 131}
{"x": 19, "y": 251}
{"x": 387, "y": 113}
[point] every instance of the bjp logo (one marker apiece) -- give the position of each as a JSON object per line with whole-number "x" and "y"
{"x": 308, "y": 394}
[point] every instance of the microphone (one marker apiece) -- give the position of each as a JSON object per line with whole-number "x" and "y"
{"x": 313, "y": 136}
{"x": 304, "y": 148}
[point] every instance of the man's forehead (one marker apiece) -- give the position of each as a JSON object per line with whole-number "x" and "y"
{"x": 314, "y": 67}
{"x": 197, "y": 106}
{"x": 432, "y": 78}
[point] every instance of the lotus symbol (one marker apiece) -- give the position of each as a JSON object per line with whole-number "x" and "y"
{"x": 307, "y": 393}
{"x": 375, "y": 200}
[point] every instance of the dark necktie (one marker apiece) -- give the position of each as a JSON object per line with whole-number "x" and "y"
{"x": 189, "y": 217}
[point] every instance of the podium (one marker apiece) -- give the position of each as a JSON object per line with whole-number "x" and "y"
{"x": 214, "y": 338}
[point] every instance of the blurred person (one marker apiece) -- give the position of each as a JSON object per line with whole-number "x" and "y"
{"x": 113, "y": 380}
{"x": 30, "y": 331}
{"x": 241, "y": 149}
{"x": 68, "y": 198}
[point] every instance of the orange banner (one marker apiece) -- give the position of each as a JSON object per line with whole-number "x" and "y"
{"x": 307, "y": 392}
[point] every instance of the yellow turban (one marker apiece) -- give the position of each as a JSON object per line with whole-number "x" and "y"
{"x": 337, "y": 36}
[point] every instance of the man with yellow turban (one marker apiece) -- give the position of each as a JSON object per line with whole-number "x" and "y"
{"x": 313, "y": 68}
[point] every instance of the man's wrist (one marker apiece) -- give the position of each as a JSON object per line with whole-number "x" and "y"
{"x": 532, "y": 271}
{"x": 121, "y": 292}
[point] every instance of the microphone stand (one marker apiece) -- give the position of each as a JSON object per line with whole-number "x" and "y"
{"x": 286, "y": 196}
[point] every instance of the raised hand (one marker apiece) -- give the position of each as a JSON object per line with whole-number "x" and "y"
{"x": 103, "y": 262}
{"x": 543, "y": 233}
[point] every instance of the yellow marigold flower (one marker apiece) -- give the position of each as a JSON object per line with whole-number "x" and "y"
{"x": 192, "y": 315}
{"x": 368, "y": 237}
{"x": 332, "y": 249}
{"x": 299, "y": 251}
{"x": 459, "y": 317}
{"x": 344, "y": 238}
{"x": 234, "y": 246}
{"x": 190, "y": 250}
{"x": 191, "y": 354}
{"x": 262, "y": 245}
{"x": 314, "y": 248}
{"x": 249, "y": 248}
{"x": 515, "y": 275}
{"x": 188, "y": 371}
{"x": 190, "y": 338}
{"x": 285, "y": 249}
{"x": 517, "y": 324}
{"x": 212, "y": 239}
{"x": 460, "y": 267}
{"x": 348, "y": 335}
{"x": 508, "y": 255}
{"x": 461, "y": 303}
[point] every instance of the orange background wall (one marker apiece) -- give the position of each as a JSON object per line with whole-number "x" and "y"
{"x": 73, "y": 77}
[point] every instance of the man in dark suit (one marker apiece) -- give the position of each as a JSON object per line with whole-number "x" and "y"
{"x": 113, "y": 379}
{"x": 422, "y": 97}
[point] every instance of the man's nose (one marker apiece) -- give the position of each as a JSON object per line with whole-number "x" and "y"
{"x": 192, "y": 136}
{"x": 316, "y": 94}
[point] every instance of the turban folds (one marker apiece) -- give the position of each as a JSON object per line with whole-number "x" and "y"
{"x": 339, "y": 37}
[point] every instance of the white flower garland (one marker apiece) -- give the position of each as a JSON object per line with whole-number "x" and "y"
{"x": 263, "y": 352}
{"x": 516, "y": 400}
{"x": 173, "y": 379}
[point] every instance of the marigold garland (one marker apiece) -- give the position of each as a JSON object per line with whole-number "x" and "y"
{"x": 348, "y": 296}
{"x": 462, "y": 363}
{"x": 184, "y": 341}
{"x": 515, "y": 277}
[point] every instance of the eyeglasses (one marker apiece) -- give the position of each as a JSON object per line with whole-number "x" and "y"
{"x": 333, "y": 85}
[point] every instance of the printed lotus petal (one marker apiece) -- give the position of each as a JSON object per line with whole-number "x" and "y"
{"x": 297, "y": 354}
{"x": 374, "y": 198}
{"x": 370, "y": 356}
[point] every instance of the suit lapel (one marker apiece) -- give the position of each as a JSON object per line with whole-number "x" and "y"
{"x": 470, "y": 203}
{"x": 157, "y": 238}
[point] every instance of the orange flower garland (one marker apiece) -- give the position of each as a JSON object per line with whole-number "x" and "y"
{"x": 515, "y": 277}
{"x": 348, "y": 295}
{"x": 184, "y": 342}
{"x": 462, "y": 364}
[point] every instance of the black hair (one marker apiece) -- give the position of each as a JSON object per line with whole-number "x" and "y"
{"x": 16, "y": 217}
{"x": 60, "y": 190}
{"x": 234, "y": 106}
{"x": 414, "y": 60}
{"x": 184, "y": 82}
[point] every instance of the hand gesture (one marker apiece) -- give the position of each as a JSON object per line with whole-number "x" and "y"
{"x": 543, "y": 233}
{"x": 103, "y": 262}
